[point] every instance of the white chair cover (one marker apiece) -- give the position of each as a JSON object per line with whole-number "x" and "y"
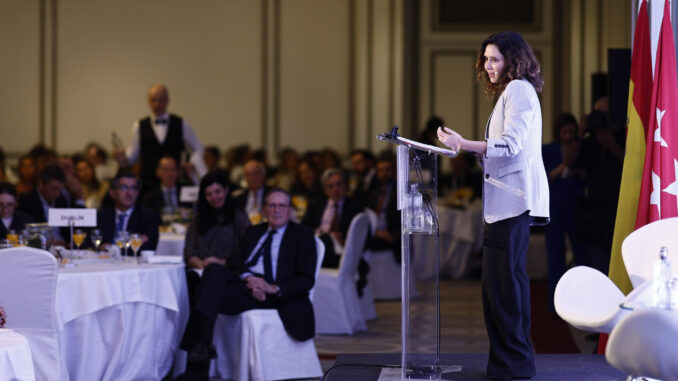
{"x": 644, "y": 344}
{"x": 28, "y": 280}
{"x": 255, "y": 346}
{"x": 337, "y": 307}
{"x": 640, "y": 249}
{"x": 588, "y": 300}
{"x": 385, "y": 276}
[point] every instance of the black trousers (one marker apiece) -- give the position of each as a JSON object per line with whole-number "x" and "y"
{"x": 506, "y": 297}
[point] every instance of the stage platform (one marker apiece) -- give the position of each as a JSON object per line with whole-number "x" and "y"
{"x": 554, "y": 367}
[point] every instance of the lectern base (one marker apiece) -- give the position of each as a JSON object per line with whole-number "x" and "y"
{"x": 394, "y": 374}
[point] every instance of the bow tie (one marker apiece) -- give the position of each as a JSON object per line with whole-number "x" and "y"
{"x": 161, "y": 121}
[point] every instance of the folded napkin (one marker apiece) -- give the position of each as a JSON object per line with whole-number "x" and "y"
{"x": 173, "y": 259}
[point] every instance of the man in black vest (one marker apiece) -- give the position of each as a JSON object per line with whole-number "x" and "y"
{"x": 160, "y": 135}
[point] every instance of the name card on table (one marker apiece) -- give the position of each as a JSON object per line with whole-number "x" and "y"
{"x": 78, "y": 216}
{"x": 189, "y": 193}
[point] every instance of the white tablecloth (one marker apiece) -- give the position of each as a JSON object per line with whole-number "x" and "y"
{"x": 16, "y": 362}
{"x": 171, "y": 244}
{"x": 461, "y": 232}
{"x": 120, "y": 321}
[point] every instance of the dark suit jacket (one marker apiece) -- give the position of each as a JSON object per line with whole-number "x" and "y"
{"x": 240, "y": 201}
{"x": 31, "y": 204}
{"x": 295, "y": 275}
{"x": 142, "y": 221}
{"x": 349, "y": 209}
{"x": 19, "y": 220}
{"x": 155, "y": 200}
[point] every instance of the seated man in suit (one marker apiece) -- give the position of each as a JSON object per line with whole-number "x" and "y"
{"x": 331, "y": 216}
{"x": 364, "y": 178}
{"x": 125, "y": 215}
{"x": 251, "y": 198}
{"x": 383, "y": 201}
{"x": 166, "y": 195}
{"x": 274, "y": 267}
{"x": 47, "y": 194}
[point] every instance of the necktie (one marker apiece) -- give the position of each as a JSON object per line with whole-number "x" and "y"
{"x": 120, "y": 226}
{"x": 334, "y": 224}
{"x": 264, "y": 250}
{"x": 161, "y": 121}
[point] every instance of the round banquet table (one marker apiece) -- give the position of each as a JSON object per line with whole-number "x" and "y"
{"x": 120, "y": 321}
{"x": 16, "y": 362}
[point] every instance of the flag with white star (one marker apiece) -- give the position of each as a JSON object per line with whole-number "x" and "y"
{"x": 659, "y": 190}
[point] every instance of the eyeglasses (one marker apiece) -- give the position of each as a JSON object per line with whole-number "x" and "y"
{"x": 277, "y": 206}
{"x": 7, "y": 205}
{"x": 127, "y": 188}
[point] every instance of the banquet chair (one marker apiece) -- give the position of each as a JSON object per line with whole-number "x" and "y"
{"x": 254, "y": 345}
{"x": 640, "y": 249}
{"x": 643, "y": 344}
{"x": 588, "y": 300}
{"x": 28, "y": 279}
{"x": 337, "y": 307}
{"x": 385, "y": 273}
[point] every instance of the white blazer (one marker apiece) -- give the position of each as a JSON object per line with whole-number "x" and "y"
{"x": 514, "y": 175}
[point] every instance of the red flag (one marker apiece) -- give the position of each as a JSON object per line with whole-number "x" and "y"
{"x": 660, "y": 186}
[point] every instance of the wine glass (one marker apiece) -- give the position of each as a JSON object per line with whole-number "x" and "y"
{"x": 122, "y": 240}
{"x": 12, "y": 237}
{"x": 135, "y": 241}
{"x": 96, "y": 238}
{"x": 78, "y": 237}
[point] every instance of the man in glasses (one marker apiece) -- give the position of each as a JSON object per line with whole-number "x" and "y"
{"x": 125, "y": 215}
{"x": 274, "y": 268}
{"x": 331, "y": 216}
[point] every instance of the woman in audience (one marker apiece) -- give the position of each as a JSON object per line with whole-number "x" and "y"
{"x": 212, "y": 236}
{"x": 306, "y": 188}
{"x": 214, "y": 232}
{"x": 94, "y": 190}
{"x": 12, "y": 219}
{"x": 28, "y": 175}
{"x": 287, "y": 169}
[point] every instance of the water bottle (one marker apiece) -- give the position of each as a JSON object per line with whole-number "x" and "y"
{"x": 413, "y": 217}
{"x": 662, "y": 280}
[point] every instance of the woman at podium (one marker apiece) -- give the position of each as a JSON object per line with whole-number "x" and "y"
{"x": 515, "y": 196}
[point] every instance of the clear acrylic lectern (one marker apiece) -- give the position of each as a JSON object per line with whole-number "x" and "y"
{"x": 417, "y": 181}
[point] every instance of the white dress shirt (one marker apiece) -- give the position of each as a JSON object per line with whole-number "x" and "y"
{"x": 258, "y": 267}
{"x": 190, "y": 140}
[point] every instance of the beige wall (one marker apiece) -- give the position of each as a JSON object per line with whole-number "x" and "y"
{"x": 272, "y": 73}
